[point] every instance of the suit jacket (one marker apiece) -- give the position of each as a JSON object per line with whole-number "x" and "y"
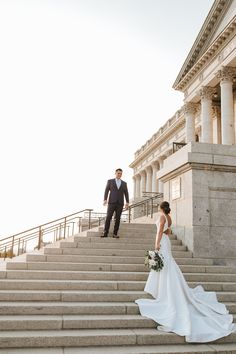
{"x": 115, "y": 194}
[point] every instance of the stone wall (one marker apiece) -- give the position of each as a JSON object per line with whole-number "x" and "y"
{"x": 204, "y": 214}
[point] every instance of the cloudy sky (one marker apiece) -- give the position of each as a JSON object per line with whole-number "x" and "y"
{"x": 83, "y": 84}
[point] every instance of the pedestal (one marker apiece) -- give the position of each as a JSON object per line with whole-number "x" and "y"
{"x": 200, "y": 184}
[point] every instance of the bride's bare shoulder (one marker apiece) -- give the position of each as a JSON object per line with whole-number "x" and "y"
{"x": 162, "y": 219}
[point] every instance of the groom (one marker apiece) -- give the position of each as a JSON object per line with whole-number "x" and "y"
{"x": 117, "y": 189}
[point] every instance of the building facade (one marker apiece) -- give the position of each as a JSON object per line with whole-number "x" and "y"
{"x": 208, "y": 115}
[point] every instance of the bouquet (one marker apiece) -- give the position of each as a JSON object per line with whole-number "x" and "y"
{"x": 154, "y": 260}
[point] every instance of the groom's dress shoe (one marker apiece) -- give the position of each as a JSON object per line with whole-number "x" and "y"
{"x": 115, "y": 236}
{"x": 104, "y": 235}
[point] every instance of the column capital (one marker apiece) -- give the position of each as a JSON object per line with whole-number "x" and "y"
{"x": 190, "y": 107}
{"x": 155, "y": 164}
{"x": 142, "y": 173}
{"x": 206, "y": 92}
{"x": 148, "y": 169}
{"x": 226, "y": 73}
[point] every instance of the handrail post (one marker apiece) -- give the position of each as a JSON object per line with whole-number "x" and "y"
{"x": 89, "y": 223}
{"x": 64, "y": 235}
{"x": 39, "y": 239}
{"x": 12, "y": 246}
{"x": 129, "y": 215}
{"x": 152, "y": 208}
{"x": 18, "y": 251}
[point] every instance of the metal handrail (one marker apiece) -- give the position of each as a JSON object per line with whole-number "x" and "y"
{"x": 61, "y": 228}
{"x": 146, "y": 203}
{"x": 65, "y": 227}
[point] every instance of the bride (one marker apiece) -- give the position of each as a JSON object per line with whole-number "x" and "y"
{"x": 192, "y": 313}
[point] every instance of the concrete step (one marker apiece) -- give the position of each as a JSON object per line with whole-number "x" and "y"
{"x": 112, "y": 267}
{"x": 80, "y": 308}
{"x": 109, "y": 275}
{"x": 86, "y": 296}
{"x": 68, "y": 308}
{"x": 186, "y": 264}
{"x": 99, "y": 259}
{"x": 132, "y": 226}
{"x": 72, "y": 296}
{"x": 122, "y": 244}
{"x": 77, "y": 275}
{"x": 226, "y": 348}
{"x": 122, "y": 239}
{"x": 35, "y": 284}
{"x": 107, "y": 251}
{"x": 92, "y": 337}
{"x": 214, "y": 286}
{"x": 123, "y": 285}
{"x": 49, "y": 322}
{"x": 126, "y": 236}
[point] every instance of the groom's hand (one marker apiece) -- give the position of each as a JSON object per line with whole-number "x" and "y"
{"x": 105, "y": 203}
{"x": 126, "y": 206}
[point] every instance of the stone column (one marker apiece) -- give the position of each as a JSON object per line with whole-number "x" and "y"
{"x": 160, "y": 183}
{"x": 138, "y": 186}
{"x": 149, "y": 179}
{"x": 154, "y": 177}
{"x": 227, "y": 106}
{"x": 143, "y": 182}
{"x": 189, "y": 110}
{"x": 216, "y": 125}
{"x": 134, "y": 185}
{"x": 206, "y": 93}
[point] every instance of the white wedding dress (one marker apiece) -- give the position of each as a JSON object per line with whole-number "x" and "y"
{"x": 192, "y": 313}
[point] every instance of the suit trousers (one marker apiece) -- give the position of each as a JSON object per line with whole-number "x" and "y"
{"x": 117, "y": 208}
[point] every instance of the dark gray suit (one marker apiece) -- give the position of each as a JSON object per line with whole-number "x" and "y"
{"x": 115, "y": 203}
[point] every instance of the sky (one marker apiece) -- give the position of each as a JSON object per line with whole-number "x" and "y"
{"x": 83, "y": 85}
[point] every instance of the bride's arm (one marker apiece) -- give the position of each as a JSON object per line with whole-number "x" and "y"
{"x": 159, "y": 233}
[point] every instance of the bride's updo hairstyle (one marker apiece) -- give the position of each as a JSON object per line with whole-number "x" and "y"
{"x": 165, "y": 206}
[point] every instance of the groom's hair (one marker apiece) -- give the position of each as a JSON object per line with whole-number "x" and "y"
{"x": 119, "y": 169}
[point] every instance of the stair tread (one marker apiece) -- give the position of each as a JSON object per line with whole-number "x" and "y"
{"x": 91, "y": 332}
{"x": 76, "y": 316}
{"x": 88, "y": 291}
{"x": 45, "y": 271}
{"x": 154, "y": 349}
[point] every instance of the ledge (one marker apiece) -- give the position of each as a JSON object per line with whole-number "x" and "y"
{"x": 200, "y": 155}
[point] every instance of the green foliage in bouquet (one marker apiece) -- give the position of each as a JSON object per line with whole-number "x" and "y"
{"x": 154, "y": 260}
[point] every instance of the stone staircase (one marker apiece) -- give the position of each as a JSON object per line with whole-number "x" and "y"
{"x": 77, "y": 296}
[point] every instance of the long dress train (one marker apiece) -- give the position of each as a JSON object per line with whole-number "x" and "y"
{"x": 193, "y": 313}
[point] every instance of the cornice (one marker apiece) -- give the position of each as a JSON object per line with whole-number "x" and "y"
{"x": 212, "y": 51}
{"x": 222, "y": 39}
{"x": 165, "y": 135}
{"x": 215, "y": 14}
{"x": 197, "y": 166}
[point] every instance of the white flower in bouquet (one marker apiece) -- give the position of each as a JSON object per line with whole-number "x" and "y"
{"x": 152, "y": 254}
{"x": 152, "y": 263}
